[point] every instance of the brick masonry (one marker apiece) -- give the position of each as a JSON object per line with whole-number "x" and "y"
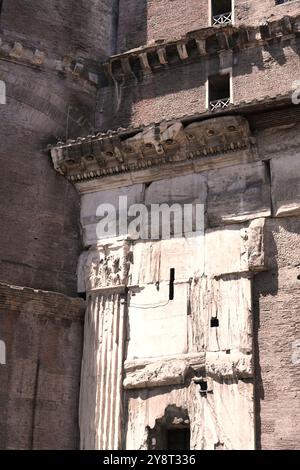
{"x": 276, "y": 331}
{"x": 180, "y": 90}
{"x": 39, "y": 393}
{"x": 39, "y": 210}
{"x": 144, "y": 21}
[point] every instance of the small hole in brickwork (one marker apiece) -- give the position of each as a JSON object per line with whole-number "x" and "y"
{"x": 298, "y": 277}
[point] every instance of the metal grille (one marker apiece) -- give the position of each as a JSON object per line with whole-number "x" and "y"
{"x": 219, "y": 104}
{"x": 225, "y": 18}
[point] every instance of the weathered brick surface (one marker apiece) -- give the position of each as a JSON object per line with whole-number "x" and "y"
{"x": 180, "y": 90}
{"x": 145, "y": 21}
{"x": 39, "y": 210}
{"x": 40, "y": 382}
{"x": 253, "y": 12}
{"x": 276, "y": 328}
{"x": 82, "y": 28}
{"x": 39, "y": 236}
{"x": 157, "y": 97}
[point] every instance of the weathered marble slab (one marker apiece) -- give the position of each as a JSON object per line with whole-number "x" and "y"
{"x": 183, "y": 189}
{"x": 152, "y": 260}
{"x": 235, "y": 248}
{"x": 157, "y": 327}
{"x": 227, "y": 299}
{"x": 238, "y": 193}
{"x": 223, "y": 419}
{"x": 91, "y": 201}
{"x": 285, "y": 173}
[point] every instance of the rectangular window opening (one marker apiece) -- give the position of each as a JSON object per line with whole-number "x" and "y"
{"x": 221, "y": 12}
{"x": 171, "y": 285}
{"x": 219, "y": 91}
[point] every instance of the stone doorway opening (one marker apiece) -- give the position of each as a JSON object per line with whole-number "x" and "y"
{"x": 171, "y": 432}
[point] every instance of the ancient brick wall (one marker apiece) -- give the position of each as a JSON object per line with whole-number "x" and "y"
{"x": 179, "y": 89}
{"x": 145, "y": 21}
{"x": 42, "y": 333}
{"x": 253, "y": 12}
{"x": 84, "y": 28}
{"x": 48, "y": 57}
{"x": 49, "y": 60}
{"x": 39, "y": 239}
{"x": 277, "y": 337}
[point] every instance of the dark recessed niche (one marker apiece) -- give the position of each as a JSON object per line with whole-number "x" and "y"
{"x": 171, "y": 285}
{"x": 214, "y": 322}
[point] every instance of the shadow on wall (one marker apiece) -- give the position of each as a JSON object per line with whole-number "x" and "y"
{"x": 275, "y": 307}
{"x": 264, "y": 284}
{"x": 176, "y": 89}
{"x": 81, "y": 28}
{"x": 132, "y": 30}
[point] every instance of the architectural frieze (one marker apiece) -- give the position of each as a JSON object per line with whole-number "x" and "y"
{"x": 156, "y": 146}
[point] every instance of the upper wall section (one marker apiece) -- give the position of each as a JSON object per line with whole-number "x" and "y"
{"x": 254, "y": 12}
{"x": 183, "y": 77}
{"x": 146, "y": 21}
{"x": 82, "y": 28}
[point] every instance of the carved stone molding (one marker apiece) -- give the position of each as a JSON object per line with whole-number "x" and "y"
{"x": 174, "y": 371}
{"x": 162, "y": 146}
{"x": 104, "y": 267}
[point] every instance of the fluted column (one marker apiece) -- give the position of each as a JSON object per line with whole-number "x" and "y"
{"x": 100, "y": 413}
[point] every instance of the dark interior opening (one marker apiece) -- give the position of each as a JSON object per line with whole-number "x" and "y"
{"x": 171, "y": 432}
{"x": 219, "y": 7}
{"x": 219, "y": 87}
{"x": 178, "y": 439}
{"x": 171, "y": 285}
{"x": 214, "y": 322}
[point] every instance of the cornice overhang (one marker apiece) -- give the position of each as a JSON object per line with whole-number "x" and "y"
{"x": 155, "y": 152}
{"x": 188, "y": 144}
{"x": 197, "y": 44}
{"x": 86, "y": 72}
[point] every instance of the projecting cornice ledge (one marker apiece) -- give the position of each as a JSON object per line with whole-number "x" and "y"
{"x": 156, "y": 152}
{"x": 195, "y": 44}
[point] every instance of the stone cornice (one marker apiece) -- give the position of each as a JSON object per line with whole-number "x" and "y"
{"x": 19, "y": 53}
{"x": 195, "y": 44}
{"x": 156, "y": 151}
{"x": 174, "y": 370}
